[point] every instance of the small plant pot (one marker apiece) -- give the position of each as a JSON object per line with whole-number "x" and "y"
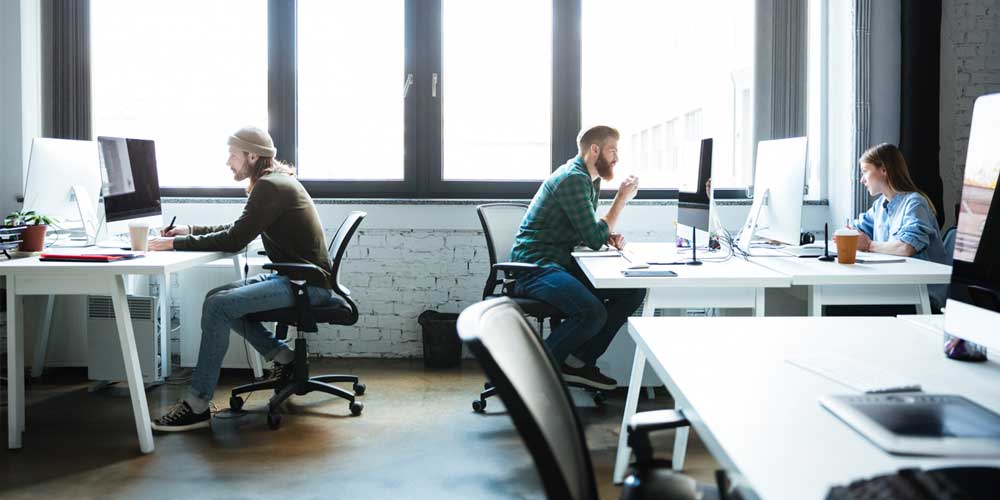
{"x": 33, "y": 238}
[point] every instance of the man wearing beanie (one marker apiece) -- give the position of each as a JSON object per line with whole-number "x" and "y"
{"x": 282, "y": 213}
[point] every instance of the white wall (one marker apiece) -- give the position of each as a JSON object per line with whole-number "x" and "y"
{"x": 20, "y": 119}
{"x": 970, "y": 67}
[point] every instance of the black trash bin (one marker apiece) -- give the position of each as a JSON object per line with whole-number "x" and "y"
{"x": 442, "y": 347}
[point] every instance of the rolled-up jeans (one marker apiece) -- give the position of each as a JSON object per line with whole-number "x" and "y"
{"x": 226, "y": 307}
{"x": 591, "y": 318}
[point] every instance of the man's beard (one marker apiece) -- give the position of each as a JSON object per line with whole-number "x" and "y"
{"x": 603, "y": 167}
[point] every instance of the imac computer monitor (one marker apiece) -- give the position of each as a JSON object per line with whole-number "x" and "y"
{"x": 973, "y": 308}
{"x": 143, "y": 203}
{"x": 64, "y": 182}
{"x": 778, "y": 189}
{"x": 693, "y": 198}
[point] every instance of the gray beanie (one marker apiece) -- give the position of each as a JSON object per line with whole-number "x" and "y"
{"x": 253, "y": 140}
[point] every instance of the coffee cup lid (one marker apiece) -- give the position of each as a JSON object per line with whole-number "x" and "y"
{"x": 846, "y": 231}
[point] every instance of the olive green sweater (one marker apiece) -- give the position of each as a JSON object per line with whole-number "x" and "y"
{"x": 279, "y": 210}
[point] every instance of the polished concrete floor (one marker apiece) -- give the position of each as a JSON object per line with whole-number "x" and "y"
{"x": 417, "y": 438}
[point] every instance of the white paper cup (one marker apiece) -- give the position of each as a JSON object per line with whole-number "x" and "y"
{"x": 138, "y": 233}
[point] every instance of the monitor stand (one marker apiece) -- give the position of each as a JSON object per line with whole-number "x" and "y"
{"x": 753, "y": 219}
{"x": 694, "y": 248}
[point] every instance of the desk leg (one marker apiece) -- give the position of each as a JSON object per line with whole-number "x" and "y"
{"x": 815, "y": 301}
{"x": 758, "y": 309}
{"x": 130, "y": 356}
{"x": 924, "y": 307}
{"x": 166, "y": 359}
{"x": 42, "y": 342}
{"x": 15, "y": 374}
{"x": 631, "y": 402}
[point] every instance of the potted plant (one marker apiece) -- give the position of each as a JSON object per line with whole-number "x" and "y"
{"x": 33, "y": 236}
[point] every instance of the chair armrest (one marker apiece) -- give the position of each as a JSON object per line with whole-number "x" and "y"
{"x": 511, "y": 268}
{"x": 643, "y": 423}
{"x": 297, "y": 271}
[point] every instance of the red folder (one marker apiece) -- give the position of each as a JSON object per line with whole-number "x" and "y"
{"x": 87, "y": 257}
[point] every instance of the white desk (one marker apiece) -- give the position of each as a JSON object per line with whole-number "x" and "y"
{"x": 731, "y": 284}
{"x": 830, "y": 283}
{"x": 29, "y": 276}
{"x": 760, "y": 417}
{"x": 734, "y": 283}
{"x": 932, "y": 323}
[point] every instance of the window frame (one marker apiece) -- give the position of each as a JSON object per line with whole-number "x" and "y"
{"x": 422, "y": 168}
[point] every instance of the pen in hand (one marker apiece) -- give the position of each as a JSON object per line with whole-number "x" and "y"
{"x": 171, "y": 226}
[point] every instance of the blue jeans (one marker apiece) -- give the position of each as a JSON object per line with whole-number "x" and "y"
{"x": 224, "y": 310}
{"x": 591, "y": 318}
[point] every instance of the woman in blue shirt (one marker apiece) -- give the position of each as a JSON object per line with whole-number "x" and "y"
{"x": 902, "y": 220}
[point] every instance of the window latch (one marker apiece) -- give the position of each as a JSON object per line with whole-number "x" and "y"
{"x": 407, "y": 84}
{"x": 434, "y": 85}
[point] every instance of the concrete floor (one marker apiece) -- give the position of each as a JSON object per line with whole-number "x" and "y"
{"x": 417, "y": 438}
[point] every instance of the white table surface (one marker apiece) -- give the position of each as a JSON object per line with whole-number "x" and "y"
{"x": 29, "y": 276}
{"x": 830, "y": 283}
{"x": 811, "y": 271}
{"x": 606, "y": 272}
{"x": 932, "y": 323}
{"x": 760, "y": 416}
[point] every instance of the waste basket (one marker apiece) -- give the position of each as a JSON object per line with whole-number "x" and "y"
{"x": 442, "y": 347}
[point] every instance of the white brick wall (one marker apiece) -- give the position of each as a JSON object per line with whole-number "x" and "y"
{"x": 394, "y": 275}
{"x": 970, "y": 67}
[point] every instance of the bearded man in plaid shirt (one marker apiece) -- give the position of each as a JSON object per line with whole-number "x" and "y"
{"x": 562, "y": 215}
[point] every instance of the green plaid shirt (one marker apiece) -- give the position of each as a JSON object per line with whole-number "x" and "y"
{"x": 562, "y": 215}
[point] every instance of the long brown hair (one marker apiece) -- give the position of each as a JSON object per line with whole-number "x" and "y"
{"x": 889, "y": 157}
{"x": 267, "y": 165}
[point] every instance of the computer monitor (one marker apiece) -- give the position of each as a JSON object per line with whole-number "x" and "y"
{"x": 143, "y": 204}
{"x": 64, "y": 181}
{"x": 779, "y": 186}
{"x": 973, "y": 308}
{"x": 693, "y": 203}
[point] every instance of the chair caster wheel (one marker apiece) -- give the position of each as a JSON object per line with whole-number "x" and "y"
{"x": 273, "y": 421}
{"x": 599, "y": 398}
{"x": 359, "y": 389}
{"x": 235, "y": 403}
{"x": 356, "y": 408}
{"x": 478, "y": 406}
{"x": 487, "y": 386}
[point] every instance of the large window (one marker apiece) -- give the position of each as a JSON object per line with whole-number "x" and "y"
{"x": 666, "y": 75}
{"x": 427, "y": 98}
{"x": 185, "y": 73}
{"x": 350, "y": 84}
{"x": 497, "y": 105}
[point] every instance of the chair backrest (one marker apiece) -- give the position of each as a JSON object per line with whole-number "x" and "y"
{"x": 949, "y": 245}
{"x": 500, "y": 223}
{"x": 532, "y": 390}
{"x": 338, "y": 246}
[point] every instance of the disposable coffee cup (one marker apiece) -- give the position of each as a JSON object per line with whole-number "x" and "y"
{"x": 138, "y": 233}
{"x": 847, "y": 245}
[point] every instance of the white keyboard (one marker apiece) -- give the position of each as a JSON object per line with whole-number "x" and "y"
{"x": 859, "y": 376}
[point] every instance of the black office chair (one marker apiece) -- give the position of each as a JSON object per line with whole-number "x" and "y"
{"x": 532, "y": 389}
{"x": 500, "y": 222}
{"x": 304, "y": 318}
